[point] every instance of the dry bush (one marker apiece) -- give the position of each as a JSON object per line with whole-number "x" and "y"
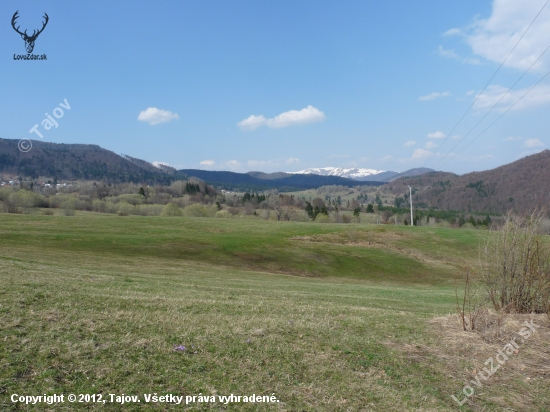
{"x": 234, "y": 210}
{"x": 471, "y": 306}
{"x": 515, "y": 265}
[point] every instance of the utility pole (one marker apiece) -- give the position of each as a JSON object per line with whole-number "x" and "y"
{"x": 411, "y": 202}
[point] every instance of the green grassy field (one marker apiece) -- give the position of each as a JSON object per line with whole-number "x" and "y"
{"x": 325, "y": 317}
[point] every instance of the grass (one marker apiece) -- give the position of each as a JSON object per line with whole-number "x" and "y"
{"x": 316, "y": 314}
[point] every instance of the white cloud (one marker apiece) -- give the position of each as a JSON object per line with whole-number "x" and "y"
{"x": 386, "y": 158}
{"x": 452, "y": 32}
{"x": 436, "y": 135}
{"x": 233, "y": 165}
{"x": 498, "y": 94}
{"x": 494, "y": 37}
{"x": 420, "y": 154}
{"x": 471, "y": 92}
{"x": 456, "y": 136}
{"x": 512, "y": 138}
{"x": 433, "y": 96}
{"x": 154, "y": 116}
{"x": 450, "y": 54}
{"x": 207, "y": 163}
{"x": 252, "y": 122}
{"x": 308, "y": 114}
{"x": 530, "y": 143}
{"x": 409, "y": 143}
{"x": 430, "y": 145}
{"x": 159, "y": 164}
{"x": 292, "y": 160}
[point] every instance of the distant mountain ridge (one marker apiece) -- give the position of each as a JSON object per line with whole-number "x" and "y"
{"x": 352, "y": 173}
{"x": 364, "y": 175}
{"x": 262, "y": 181}
{"x": 91, "y": 162}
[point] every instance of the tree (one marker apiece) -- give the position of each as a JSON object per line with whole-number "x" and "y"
{"x": 142, "y": 192}
{"x": 309, "y": 210}
{"x": 386, "y": 214}
{"x": 370, "y": 209}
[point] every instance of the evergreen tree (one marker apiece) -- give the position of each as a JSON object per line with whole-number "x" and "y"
{"x": 316, "y": 212}
{"x": 309, "y": 210}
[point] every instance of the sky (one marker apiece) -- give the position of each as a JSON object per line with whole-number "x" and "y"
{"x": 283, "y": 85}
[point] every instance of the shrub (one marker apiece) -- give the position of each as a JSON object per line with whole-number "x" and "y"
{"x": 68, "y": 212}
{"x": 171, "y": 209}
{"x": 198, "y": 210}
{"x": 322, "y": 218}
{"x": 223, "y": 214}
{"x": 125, "y": 209}
{"x": 515, "y": 265}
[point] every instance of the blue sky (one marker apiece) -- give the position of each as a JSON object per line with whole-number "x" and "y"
{"x": 282, "y": 86}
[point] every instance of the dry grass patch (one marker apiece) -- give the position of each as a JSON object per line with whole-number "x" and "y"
{"x": 522, "y": 382}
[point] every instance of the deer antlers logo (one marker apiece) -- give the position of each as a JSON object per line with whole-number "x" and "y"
{"x": 29, "y": 40}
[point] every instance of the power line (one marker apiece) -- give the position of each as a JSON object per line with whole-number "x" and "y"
{"x": 490, "y": 80}
{"x": 495, "y": 105}
{"x": 507, "y": 110}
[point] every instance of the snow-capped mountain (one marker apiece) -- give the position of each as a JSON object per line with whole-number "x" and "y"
{"x": 354, "y": 173}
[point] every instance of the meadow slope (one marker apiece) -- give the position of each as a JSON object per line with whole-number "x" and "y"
{"x": 322, "y": 316}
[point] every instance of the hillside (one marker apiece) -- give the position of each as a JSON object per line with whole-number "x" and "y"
{"x": 522, "y": 185}
{"x": 250, "y": 181}
{"x": 77, "y": 162}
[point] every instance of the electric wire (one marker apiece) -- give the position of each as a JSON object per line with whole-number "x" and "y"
{"x": 495, "y": 105}
{"x": 490, "y": 80}
{"x": 498, "y": 118}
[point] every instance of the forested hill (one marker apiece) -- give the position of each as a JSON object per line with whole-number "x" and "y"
{"x": 521, "y": 185}
{"x": 77, "y": 161}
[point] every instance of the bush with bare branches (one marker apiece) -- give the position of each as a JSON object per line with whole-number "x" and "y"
{"x": 515, "y": 265}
